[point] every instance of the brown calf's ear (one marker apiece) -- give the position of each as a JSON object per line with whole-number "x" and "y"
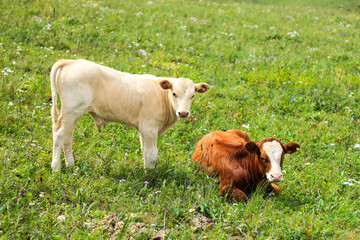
{"x": 251, "y": 147}
{"x": 291, "y": 147}
{"x": 165, "y": 84}
{"x": 202, "y": 87}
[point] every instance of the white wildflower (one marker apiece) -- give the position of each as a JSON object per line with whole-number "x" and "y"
{"x": 293, "y": 34}
{"x": 143, "y": 52}
{"x": 193, "y": 19}
{"x": 353, "y": 180}
{"x": 47, "y": 26}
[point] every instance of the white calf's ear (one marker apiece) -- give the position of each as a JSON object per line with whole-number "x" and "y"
{"x": 202, "y": 87}
{"x": 165, "y": 84}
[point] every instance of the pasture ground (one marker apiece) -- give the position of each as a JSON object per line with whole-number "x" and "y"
{"x": 289, "y": 70}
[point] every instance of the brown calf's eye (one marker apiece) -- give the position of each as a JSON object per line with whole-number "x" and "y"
{"x": 174, "y": 94}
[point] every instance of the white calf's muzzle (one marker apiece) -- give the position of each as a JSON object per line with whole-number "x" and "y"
{"x": 183, "y": 114}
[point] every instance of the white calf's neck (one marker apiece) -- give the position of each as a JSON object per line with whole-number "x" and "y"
{"x": 274, "y": 151}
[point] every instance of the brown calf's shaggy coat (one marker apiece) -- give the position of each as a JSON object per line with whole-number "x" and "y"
{"x": 240, "y": 163}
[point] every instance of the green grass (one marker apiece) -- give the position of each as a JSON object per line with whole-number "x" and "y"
{"x": 257, "y": 57}
{"x": 345, "y": 4}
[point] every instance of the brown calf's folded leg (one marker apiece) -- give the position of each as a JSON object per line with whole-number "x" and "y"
{"x": 233, "y": 192}
{"x": 274, "y": 188}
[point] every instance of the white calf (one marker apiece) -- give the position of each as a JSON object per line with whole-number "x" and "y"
{"x": 147, "y": 103}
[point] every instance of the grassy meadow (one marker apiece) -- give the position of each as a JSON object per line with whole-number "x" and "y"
{"x": 284, "y": 70}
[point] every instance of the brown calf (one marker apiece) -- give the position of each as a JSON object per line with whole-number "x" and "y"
{"x": 240, "y": 163}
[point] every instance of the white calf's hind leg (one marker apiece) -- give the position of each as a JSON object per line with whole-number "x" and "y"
{"x": 149, "y": 147}
{"x": 67, "y": 148}
{"x": 65, "y": 127}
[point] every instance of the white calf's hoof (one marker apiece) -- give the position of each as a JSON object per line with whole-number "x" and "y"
{"x": 70, "y": 163}
{"x": 56, "y": 168}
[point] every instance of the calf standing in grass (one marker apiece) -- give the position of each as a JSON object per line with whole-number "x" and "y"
{"x": 240, "y": 163}
{"x": 147, "y": 103}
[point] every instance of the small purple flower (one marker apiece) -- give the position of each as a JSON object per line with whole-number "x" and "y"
{"x": 291, "y": 99}
{"x": 343, "y": 34}
{"x": 210, "y": 82}
{"x": 131, "y": 59}
{"x": 122, "y": 180}
{"x": 156, "y": 68}
{"x": 146, "y": 182}
{"x": 36, "y": 233}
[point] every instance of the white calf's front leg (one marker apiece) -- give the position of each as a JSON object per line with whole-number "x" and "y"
{"x": 148, "y": 141}
{"x": 142, "y": 144}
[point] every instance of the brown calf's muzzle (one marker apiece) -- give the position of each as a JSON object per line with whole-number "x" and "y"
{"x": 276, "y": 177}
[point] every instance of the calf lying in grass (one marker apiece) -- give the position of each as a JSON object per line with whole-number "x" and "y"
{"x": 240, "y": 163}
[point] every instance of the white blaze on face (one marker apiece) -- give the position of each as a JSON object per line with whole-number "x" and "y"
{"x": 274, "y": 151}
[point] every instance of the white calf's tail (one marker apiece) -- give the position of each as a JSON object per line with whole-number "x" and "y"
{"x": 55, "y": 71}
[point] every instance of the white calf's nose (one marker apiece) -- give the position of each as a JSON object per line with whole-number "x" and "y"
{"x": 183, "y": 114}
{"x": 276, "y": 177}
